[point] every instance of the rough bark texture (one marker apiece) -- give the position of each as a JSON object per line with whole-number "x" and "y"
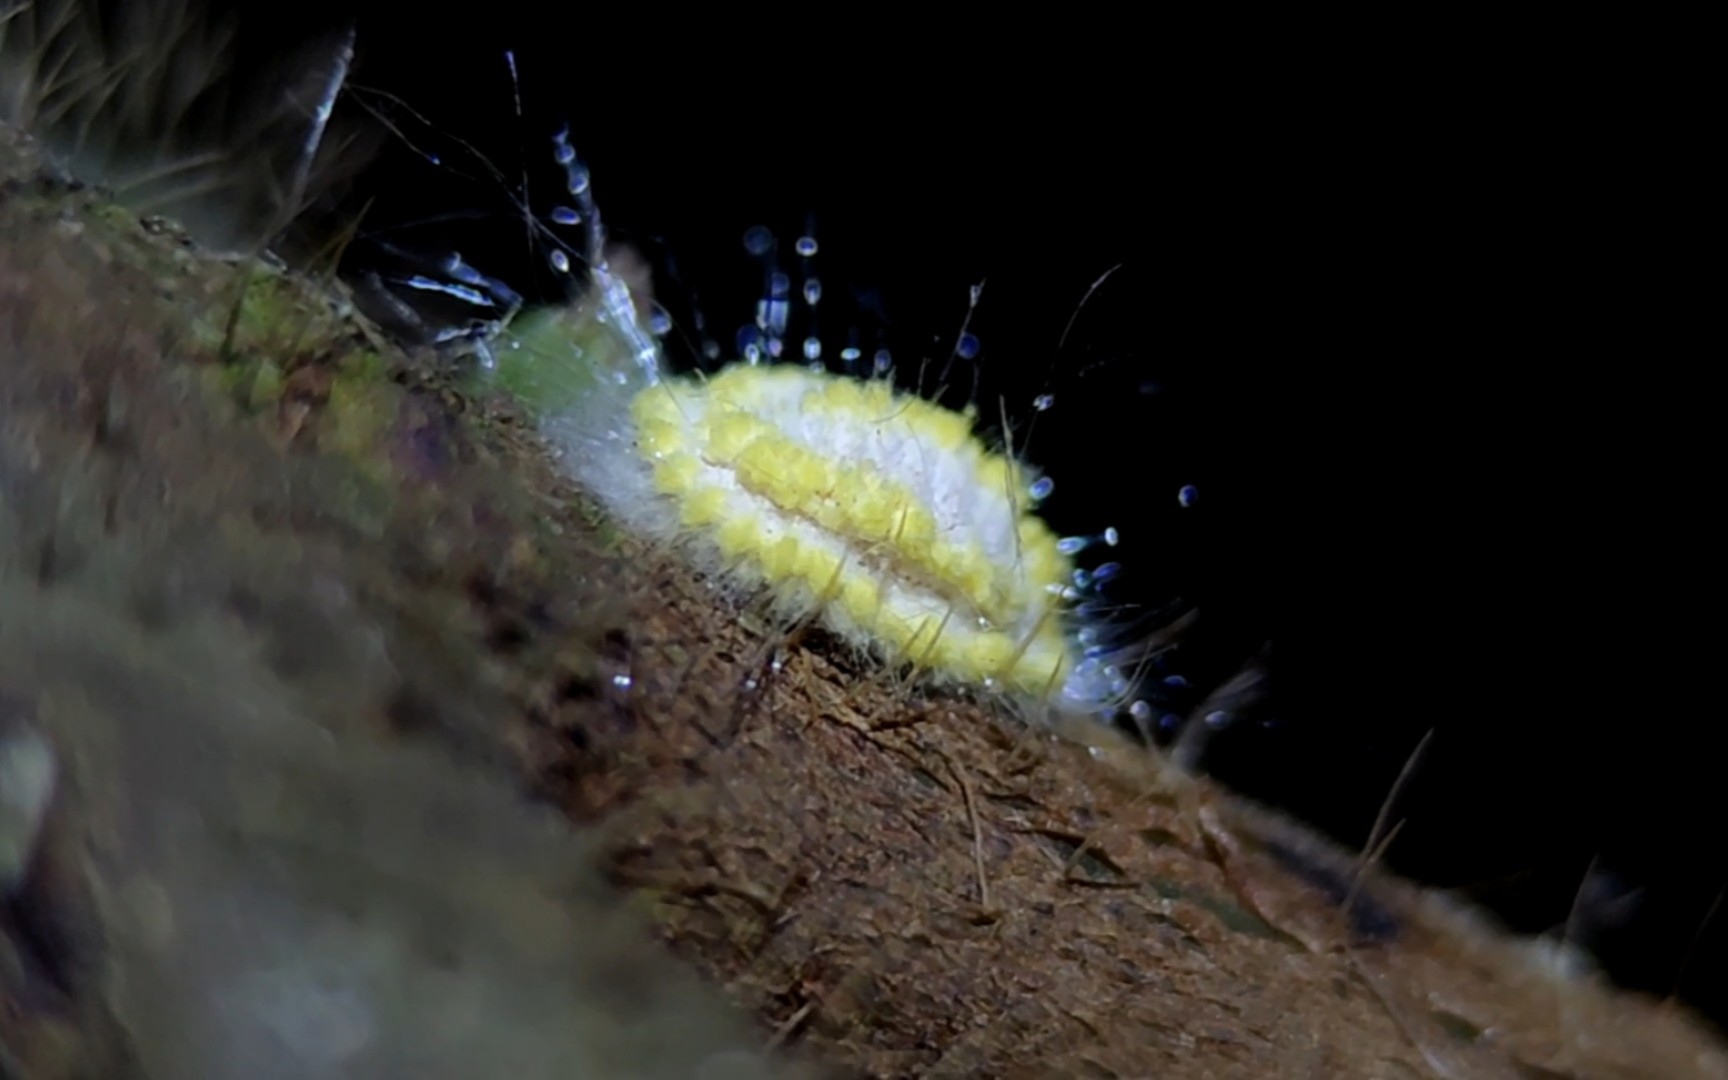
{"x": 296, "y": 613}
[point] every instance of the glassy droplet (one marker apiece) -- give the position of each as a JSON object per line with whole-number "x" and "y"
{"x": 812, "y": 291}
{"x": 1042, "y": 487}
{"x": 1043, "y": 402}
{"x": 771, "y": 315}
{"x": 560, "y": 261}
{"x": 851, "y": 353}
{"x": 806, "y": 246}
{"x": 1112, "y": 537}
{"x": 882, "y": 362}
{"x": 659, "y": 322}
{"x": 563, "y": 215}
{"x": 812, "y": 348}
{"x": 967, "y": 347}
{"x": 758, "y": 240}
{"x": 1072, "y": 545}
{"x": 779, "y": 285}
{"x": 1188, "y": 495}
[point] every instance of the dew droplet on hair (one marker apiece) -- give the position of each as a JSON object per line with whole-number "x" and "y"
{"x": 771, "y": 316}
{"x": 758, "y": 240}
{"x": 1141, "y": 713}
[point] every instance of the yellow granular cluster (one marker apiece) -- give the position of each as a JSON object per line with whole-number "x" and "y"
{"x": 882, "y": 511}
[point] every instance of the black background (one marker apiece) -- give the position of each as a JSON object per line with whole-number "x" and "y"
{"x": 1415, "y": 326}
